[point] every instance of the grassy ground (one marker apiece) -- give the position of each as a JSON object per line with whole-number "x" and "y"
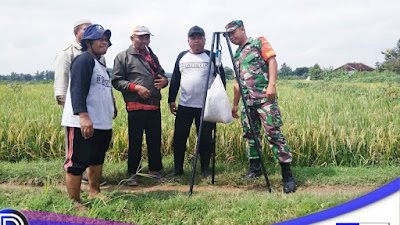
{"x": 328, "y": 125}
{"x": 230, "y": 201}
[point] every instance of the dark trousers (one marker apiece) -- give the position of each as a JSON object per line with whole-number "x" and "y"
{"x": 150, "y": 122}
{"x": 183, "y": 122}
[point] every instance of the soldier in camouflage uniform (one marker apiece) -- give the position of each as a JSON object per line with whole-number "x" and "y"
{"x": 256, "y": 63}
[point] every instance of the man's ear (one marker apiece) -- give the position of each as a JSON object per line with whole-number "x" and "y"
{"x": 87, "y": 43}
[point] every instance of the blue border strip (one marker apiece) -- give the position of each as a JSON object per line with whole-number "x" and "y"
{"x": 347, "y": 207}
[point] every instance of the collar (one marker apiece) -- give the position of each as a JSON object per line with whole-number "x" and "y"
{"x": 77, "y": 45}
{"x": 133, "y": 50}
{"x": 249, "y": 40}
{"x": 190, "y": 51}
{"x": 239, "y": 49}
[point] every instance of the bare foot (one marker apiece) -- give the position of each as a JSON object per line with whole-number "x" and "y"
{"x": 99, "y": 195}
{"x": 81, "y": 208}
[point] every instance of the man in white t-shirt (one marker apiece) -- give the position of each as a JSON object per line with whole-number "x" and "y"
{"x": 190, "y": 75}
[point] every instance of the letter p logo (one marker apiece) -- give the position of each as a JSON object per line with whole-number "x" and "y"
{"x": 12, "y": 217}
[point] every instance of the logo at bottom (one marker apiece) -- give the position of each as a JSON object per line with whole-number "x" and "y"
{"x": 12, "y": 217}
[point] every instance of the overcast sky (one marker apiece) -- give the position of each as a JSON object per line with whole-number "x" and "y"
{"x": 302, "y": 33}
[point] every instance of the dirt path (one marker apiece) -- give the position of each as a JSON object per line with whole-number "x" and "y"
{"x": 210, "y": 188}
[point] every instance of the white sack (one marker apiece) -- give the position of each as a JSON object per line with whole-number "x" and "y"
{"x": 217, "y": 108}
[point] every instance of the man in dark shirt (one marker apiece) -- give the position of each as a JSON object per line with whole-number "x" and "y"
{"x": 138, "y": 75}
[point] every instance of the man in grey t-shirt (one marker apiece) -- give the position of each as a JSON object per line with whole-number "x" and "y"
{"x": 190, "y": 74}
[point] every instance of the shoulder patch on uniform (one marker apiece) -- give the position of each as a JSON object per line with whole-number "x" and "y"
{"x": 266, "y": 49}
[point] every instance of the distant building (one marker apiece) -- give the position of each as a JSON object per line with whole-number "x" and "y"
{"x": 353, "y": 67}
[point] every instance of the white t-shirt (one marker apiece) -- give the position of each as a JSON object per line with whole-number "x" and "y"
{"x": 99, "y": 101}
{"x": 193, "y": 69}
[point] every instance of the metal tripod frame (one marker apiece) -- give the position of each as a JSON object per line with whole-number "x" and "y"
{"x": 216, "y": 38}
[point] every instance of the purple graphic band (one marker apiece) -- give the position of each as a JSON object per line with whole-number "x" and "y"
{"x": 48, "y": 218}
{"x": 347, "y": 207}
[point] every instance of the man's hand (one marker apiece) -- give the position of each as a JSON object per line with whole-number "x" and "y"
{"x": 161, "y": 82}
{"x": 86, "y": 125}
{"x": 60, "y": 100}
{"x": 172, "y": 108}
{"x": 271, "y": 92}
{"x": 142, "y": 91}
{"x": 234, "y": 112}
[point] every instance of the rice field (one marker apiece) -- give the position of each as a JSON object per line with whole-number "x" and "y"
{"x": 326, "y": 123}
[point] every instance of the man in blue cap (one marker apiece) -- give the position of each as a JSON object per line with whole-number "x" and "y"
{"x": 62, "y": 73}
{"x": 88, "y": 113}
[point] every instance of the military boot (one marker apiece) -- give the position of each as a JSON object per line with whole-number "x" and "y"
{"x": 289, "y": 184}
{"x": 254, "y": 170}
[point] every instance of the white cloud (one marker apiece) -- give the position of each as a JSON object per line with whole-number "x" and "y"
{"x": 301, "y": 32}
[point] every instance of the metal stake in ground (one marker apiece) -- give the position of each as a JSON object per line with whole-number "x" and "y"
{"x": 202, "y": 117}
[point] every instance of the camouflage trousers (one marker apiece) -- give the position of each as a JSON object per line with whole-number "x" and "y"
{"x": 270, "y": 116}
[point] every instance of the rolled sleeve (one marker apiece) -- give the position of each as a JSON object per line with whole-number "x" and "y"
{"x": 61, "y": 74}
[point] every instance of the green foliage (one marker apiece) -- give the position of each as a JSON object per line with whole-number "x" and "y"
{"x": 285, "y": 70}
{"x": 300, "y": 71}
{"x": 315, "y": 72}
{"x": 366, "y": 77}
{"x": 38, "y": 76}
{"x": 392, "y": 59}
{"x": 325, "y": 123}
{"x": 174, "y": 207}
{"x": 229, "y": 201}
{"x": 392, "y": 65}
{"x": 49, "y": 172}
{"x": 229, "y": 74}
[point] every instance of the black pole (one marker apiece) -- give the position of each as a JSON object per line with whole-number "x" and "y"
{"x": 213, "y": 154}
{"x": 201, "y": 118}
{"x": 215, "y": 128}
{"x": 248, "y": 115}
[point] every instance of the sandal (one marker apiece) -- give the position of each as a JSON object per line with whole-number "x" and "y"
{"x": 133, "y": 180}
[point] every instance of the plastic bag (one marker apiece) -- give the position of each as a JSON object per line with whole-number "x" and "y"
{"x": 217, "y": 108}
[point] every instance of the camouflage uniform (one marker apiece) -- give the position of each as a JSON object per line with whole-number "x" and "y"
{"x": 251, "y": 63}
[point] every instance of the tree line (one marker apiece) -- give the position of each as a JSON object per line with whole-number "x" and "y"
{"x": 391, "y": 64}
{"x": 47, "y": 75}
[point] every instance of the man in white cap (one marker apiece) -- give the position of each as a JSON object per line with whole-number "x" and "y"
{"x": 64, "y": 60}
{"x": 62, "y": 71}
{"x": 138, "y": 75}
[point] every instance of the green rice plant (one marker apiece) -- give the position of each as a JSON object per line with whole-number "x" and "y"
{"x": 325, "y": 123}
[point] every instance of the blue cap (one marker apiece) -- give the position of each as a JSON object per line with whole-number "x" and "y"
{"x": 94, "y": 32}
